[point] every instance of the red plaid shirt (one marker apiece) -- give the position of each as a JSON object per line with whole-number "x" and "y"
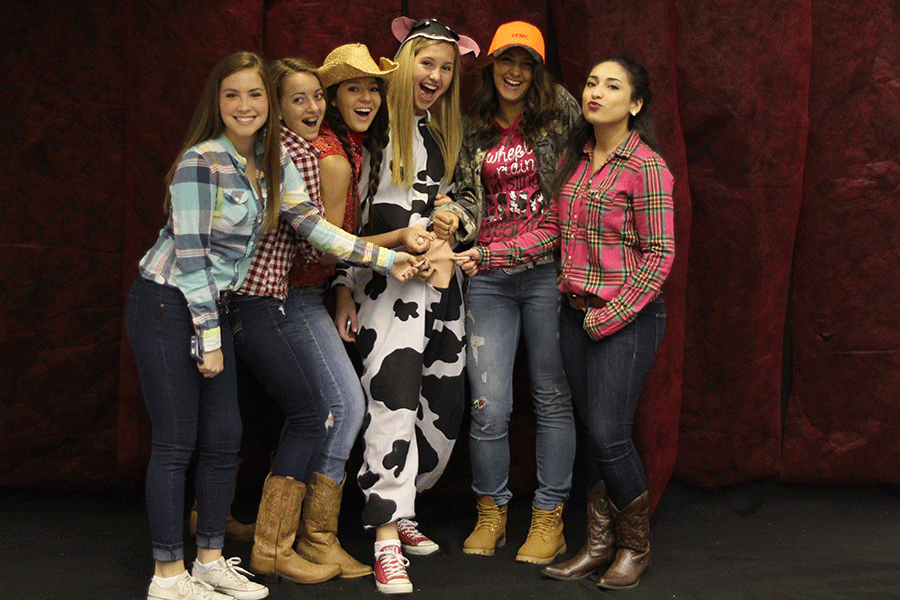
{"x": 275, "y": 254}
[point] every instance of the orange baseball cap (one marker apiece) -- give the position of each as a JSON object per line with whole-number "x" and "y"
{"x": 518, "y": 33}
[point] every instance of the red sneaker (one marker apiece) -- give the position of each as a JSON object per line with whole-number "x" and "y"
{"x": 390, "y": 571}
{"x": 413, "y": 541}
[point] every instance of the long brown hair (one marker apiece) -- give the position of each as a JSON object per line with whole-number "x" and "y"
{"x": 540, "y": 105}
{"x": 207, "y": 124}
{"x": 583, "y": 131}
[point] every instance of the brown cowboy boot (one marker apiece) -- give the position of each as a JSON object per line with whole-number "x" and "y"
{"x": 317, "y": 538}
{"x": 633, "y": 536}
{"x": 600, "y": 546}
{"x": 276, "y": 527}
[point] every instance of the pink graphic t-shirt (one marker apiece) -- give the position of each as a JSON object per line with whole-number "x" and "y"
{"x": 513, "y": 202}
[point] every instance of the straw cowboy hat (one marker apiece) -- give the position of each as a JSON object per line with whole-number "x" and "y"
{"x": 351, "y": 61}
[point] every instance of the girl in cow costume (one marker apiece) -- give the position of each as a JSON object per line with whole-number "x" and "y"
{"x": 411, "y": 337}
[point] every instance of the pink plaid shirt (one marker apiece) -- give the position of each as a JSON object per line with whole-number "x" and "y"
{"x": 275, "y": 254}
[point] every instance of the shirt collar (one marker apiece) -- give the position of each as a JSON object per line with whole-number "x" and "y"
{"x": 624, "y": 150}
{"x": 512, "y": 127}
{"x": 258, "y": 147}
{"x": 289, "y": 136}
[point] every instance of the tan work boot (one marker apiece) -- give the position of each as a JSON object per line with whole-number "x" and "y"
{"x": 490, "y": 530}
{"x": 276, "y": 527}
{"x": 633, "y": 537}
{"x": 317, "y": 538}
{"x": 600, "y": 546}
{"x": 545, "y": 539}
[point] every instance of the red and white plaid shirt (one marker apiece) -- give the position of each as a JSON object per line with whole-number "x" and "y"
{"x": 267, "y": 275}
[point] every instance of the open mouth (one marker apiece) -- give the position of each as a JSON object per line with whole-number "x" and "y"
{"x": 311, "y": 122}
{"x": 428, "y": 90}
{"x": 245, "y": 120}
{"x": 512, "y": 84}
{"x": 363, "y": 113}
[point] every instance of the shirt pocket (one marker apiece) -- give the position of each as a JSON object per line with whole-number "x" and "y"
{"x": 605, "y": 210}
{"x": 235, "y": 210}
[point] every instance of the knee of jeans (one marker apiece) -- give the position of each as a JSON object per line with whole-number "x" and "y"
{"x": 175, "y": 453}
{"x": 348, "y": 419}
{"x": 490, "y": 420}
{"x": 611, "y": 452}
{"x": 553, "y": 402}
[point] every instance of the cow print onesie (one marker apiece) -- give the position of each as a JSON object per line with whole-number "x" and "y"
{"x": 412, "y": 342}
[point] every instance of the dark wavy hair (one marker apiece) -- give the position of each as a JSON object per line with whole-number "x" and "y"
{"x": 540, "y": 105}
{"x": 375, "y": 141}
{"x": 642, "y": 122}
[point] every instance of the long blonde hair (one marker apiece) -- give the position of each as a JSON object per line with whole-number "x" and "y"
{"x": 207, "y": 124}
{"x": 445, "y": 123}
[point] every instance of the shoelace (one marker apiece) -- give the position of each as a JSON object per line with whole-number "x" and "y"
{"x": 191, "y": 584}
{"x": 488, "y": 518}
{"x": 394, "y": 563}
{"x": 233, "y": 570}
{"x": 408, "y": 528}
{"x": 542, "y": 524}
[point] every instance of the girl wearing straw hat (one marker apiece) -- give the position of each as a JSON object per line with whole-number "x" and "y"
{"x": 355, "y": 116}
{"x": 411, "y": 338}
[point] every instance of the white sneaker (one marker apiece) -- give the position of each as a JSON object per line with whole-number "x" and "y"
{"x": 413, "y": 541}
{"x": 186, "y": 588}
{"x": 390, "y": 571}
{"x": 228, "y": 578}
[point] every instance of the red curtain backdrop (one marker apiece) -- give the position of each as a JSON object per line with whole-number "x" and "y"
{"x": 779, "y": 121}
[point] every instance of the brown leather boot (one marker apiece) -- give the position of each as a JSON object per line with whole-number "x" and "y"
{"x": 600, "y": 547}
{"x": 633, "y": 537}
{"x": 276, "y": 527}
{"x": 317, "y": 537}
{"x": 234, "y": 529}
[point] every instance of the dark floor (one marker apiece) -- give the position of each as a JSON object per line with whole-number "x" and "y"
{"x": 762, "y": 540}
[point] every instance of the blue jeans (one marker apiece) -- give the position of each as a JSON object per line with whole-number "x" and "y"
{"x": 332, "y": 376}
{"x": 268, "y": 340}
{"x": 184, "y": 407}
{"x": 607, "y": 378}
{"x": 500, "y": 307}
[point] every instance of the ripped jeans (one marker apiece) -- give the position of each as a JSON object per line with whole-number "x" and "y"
{"x": 500, "y": 308}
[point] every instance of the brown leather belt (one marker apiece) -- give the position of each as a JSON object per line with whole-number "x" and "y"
{"x": 583, "y": 302}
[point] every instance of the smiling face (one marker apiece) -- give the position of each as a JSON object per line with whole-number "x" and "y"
{"x": 358, "y": 101}
{"x": 302, "y": 104}
{"x": 432, "y": 74}
{"x": 243, "y": 106}
{"x": 606, "y": 99}
{"x": 513, "y": 71}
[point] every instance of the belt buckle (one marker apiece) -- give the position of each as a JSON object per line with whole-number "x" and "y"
{"x": 576, "y": 299}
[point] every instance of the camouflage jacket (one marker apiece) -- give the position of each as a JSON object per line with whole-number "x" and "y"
{"x": 468, "y": 200}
